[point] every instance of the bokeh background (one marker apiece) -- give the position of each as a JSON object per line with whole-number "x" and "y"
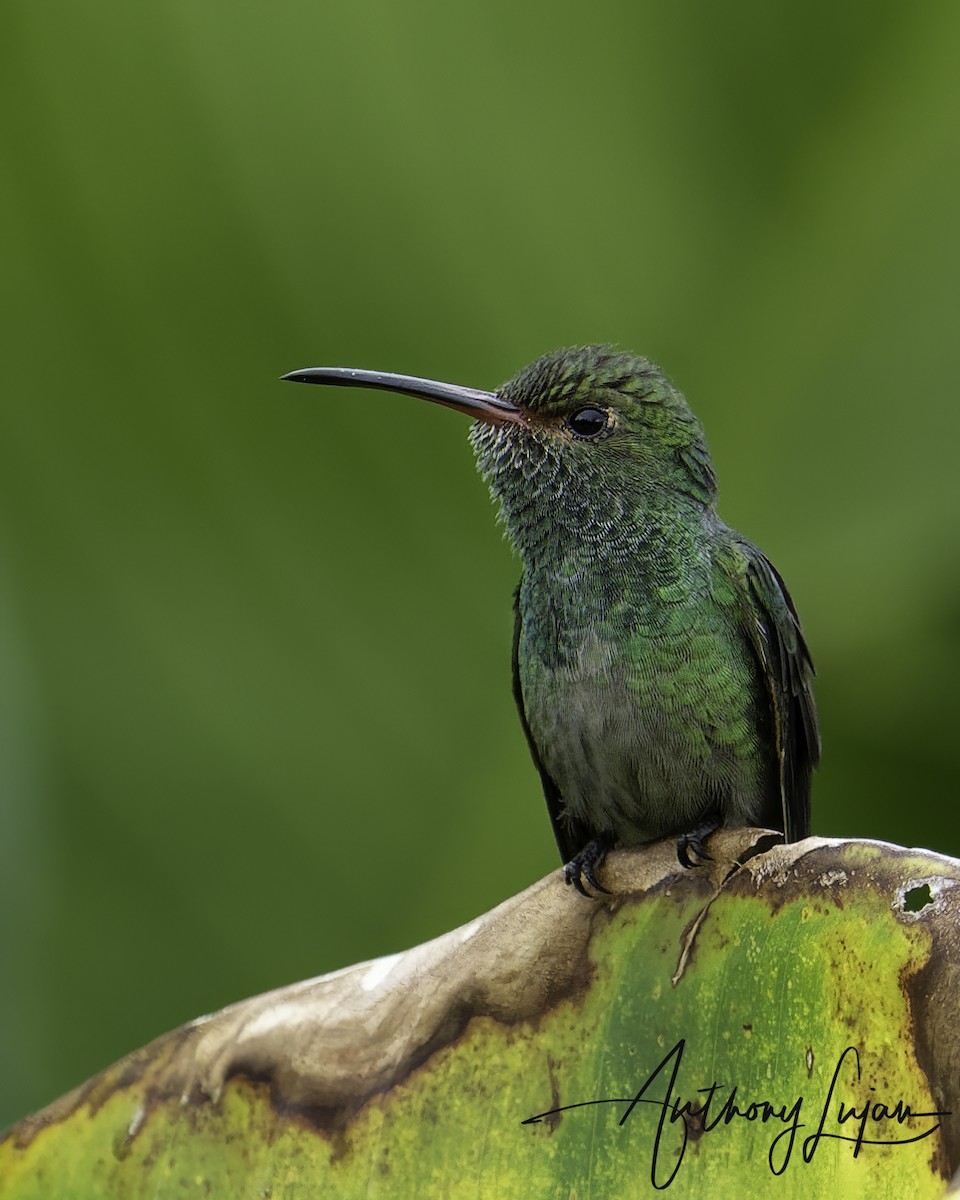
{"x": 255, "y": 712}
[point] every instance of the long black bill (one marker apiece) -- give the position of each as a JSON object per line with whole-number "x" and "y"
{"x": 485, "y": 406}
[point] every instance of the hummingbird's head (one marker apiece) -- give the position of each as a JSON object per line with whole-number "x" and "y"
{"x": 578, "y": 437}
{"x": 600, "y": 418}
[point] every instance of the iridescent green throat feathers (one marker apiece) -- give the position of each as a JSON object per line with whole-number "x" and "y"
{"x": 660, "y": 672}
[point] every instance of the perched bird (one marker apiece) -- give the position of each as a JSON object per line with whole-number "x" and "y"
{"x": 661, "y": 675}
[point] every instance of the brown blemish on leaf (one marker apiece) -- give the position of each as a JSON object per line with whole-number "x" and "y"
{"x": 934, "y": 997}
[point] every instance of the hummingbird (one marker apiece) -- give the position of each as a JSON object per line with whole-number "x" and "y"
{"x": 659, "y": 668}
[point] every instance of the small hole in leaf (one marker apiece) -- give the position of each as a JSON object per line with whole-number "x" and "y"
{"x": 917, "y": 898}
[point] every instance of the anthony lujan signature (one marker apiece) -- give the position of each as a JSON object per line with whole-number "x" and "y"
{"x": 835, "y": 1119}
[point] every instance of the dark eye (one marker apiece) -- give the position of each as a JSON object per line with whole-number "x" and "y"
{"x": 588, "y": 422}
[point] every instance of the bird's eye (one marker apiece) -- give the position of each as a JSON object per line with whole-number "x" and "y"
{"x": 588, "y": 422}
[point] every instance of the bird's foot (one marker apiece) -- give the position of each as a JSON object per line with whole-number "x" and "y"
{"x": 690, "y": 848}
{"x": 583, "y": 866}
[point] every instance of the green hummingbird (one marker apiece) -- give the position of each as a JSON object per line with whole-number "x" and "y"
{"x": 662, "y": 678}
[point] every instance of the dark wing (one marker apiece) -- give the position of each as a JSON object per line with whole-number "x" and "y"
{"x": 773, "y": 627}
{"x": 571, "y": 836}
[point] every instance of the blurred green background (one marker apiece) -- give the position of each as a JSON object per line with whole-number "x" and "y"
{"x": 254, "y": 639}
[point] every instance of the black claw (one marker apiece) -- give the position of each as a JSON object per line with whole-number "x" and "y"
{"x": 690, "y": 851}
{"x": 583, "y": 866}
{"x": 694, "y": 842}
